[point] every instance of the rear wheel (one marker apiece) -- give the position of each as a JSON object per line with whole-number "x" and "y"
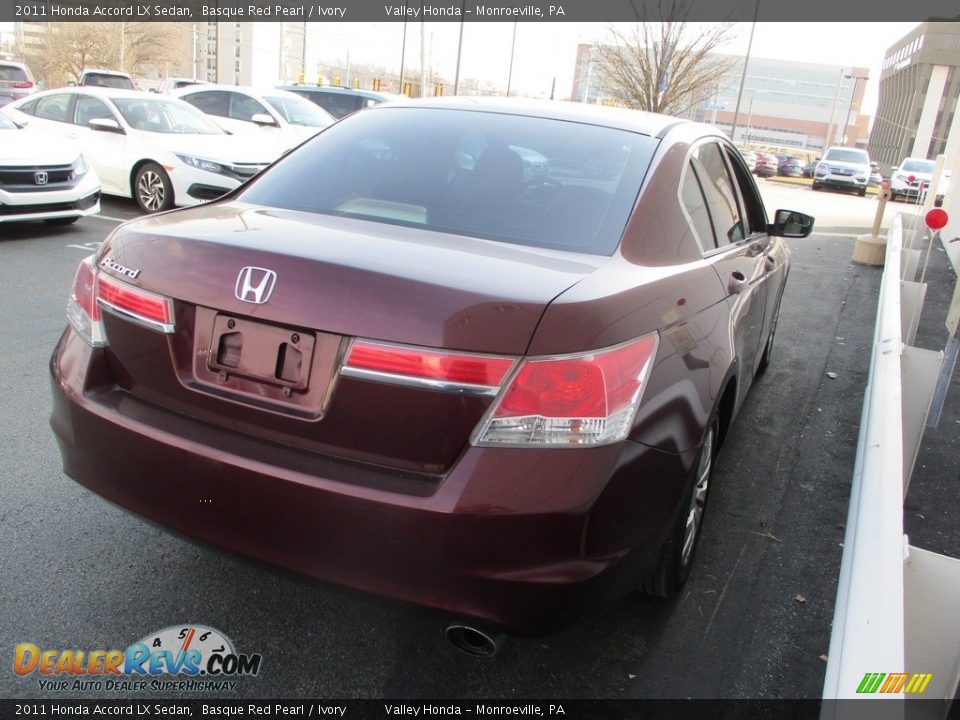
{"x": 862, "y": 192}
{"x": 768, "y": 348}
{"x": 815, "y": 186}
{"x": 152, "y": 189}
{"x": 676, "y": 557}
{"x": 62, "y": 221}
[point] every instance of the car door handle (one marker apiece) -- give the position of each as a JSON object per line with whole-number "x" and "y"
{"x": 769, "y": 264}
{"x": 737, "y": 282}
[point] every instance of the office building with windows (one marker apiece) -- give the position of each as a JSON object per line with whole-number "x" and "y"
{"x": 919, "y": 86}
{"x": 789, "y": 104}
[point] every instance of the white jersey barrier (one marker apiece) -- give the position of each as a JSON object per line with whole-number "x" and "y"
{"x": 896, "y": 625}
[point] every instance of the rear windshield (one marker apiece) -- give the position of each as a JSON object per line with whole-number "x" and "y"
{"x": 110, "y": 81}
{"x": 522, "y": 180}
{"x": 850, "y": 156}
{"x": 12, "y": 74}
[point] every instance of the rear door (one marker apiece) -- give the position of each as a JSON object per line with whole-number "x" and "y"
{"x": 735, "y": 252}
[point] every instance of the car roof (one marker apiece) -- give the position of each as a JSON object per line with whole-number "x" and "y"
{"x": 101, "y": 92}
{"x": 118, "y": 73}
{"x": 637, "y": 121}
{"x": 248, "y": 89}
{"x": 13, "y": 62}
{"x": 338, "y": 90}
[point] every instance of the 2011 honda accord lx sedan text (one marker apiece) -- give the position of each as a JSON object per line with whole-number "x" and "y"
{"x": 432, "y": 355}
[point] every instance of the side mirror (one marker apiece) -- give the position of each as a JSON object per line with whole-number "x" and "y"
{"x": 894, "y": 168}
{"x": 263, "y": 119}
{"x": 106, "y": 125}
{"x": 71, "y": 83}
{"x": 791, "y": 224}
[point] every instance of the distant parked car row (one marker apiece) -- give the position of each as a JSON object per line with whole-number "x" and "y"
{"x": 191, "y": 142}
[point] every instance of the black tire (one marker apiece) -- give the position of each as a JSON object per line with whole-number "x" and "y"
{"x": 862, "y": 192}
{"x": 815, "y": 186}
{"x": 768, "y": 348}
{"x": 152, "y": 189}
{"x": 62, "y": 221}
{"x": 676, "y": 556}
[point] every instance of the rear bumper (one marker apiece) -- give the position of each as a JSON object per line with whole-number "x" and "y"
{"x": 522, "y": 539}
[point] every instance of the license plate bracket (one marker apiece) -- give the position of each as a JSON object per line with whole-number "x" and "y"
{"x": 259, "y": 351}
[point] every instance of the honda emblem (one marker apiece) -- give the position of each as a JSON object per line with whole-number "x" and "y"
{"x": 41, "y": 178}
{"x": 255, "y": 285}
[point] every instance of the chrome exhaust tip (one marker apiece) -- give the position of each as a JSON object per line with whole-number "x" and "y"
{"x": 471, "y": 641}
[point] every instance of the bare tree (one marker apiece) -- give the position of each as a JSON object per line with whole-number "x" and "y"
{"x": 70, "y": 48}
{"x": 666, "y": 67}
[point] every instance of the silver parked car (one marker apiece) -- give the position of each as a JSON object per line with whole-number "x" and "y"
{"x": 16, "y": 81}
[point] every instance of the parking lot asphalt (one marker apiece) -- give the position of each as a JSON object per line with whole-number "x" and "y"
{"x": 753, "y": 620}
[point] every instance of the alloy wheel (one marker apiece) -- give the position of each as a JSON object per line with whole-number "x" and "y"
{"x": 698, "y": 498}
{"x": 151, "y": 191}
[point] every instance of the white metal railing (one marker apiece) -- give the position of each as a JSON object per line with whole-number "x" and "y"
{"x": 898, "y": 607}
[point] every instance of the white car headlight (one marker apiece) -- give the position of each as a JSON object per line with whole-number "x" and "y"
{"x": 80, "y": 167}
{"x": 201, "y": 164}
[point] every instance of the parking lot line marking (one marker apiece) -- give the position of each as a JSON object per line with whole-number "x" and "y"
{"x": 111, "y": 219}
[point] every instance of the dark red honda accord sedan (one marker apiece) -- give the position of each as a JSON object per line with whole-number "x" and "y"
{"x": 477, "y": 356}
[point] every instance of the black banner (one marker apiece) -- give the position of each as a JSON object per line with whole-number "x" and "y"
{"x": 874, "y": 709}
{"x": 857, "y": 11}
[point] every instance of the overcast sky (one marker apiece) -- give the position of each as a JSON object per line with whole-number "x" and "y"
{"x": 546, "y": 50}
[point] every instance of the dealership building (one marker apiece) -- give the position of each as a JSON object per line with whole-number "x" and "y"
{"x": 919, "y": 86}
{"x": 790, "y": 104}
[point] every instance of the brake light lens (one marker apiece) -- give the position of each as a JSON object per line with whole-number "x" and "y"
{"x": 137, "y": 304}
{"x": 82, "y": 311}
{"x": 93, "y": 290}
{"x": 571, "y": 401}
{"x": 21, "y": 84}
{"x": 465, "y": 372}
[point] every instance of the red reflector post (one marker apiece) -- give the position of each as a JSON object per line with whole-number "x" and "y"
{"x": 936, "y": 219}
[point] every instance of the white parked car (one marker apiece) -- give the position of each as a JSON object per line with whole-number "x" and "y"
{"x": 158, "y": 150}
{"x": 43, "y": 178}
{"x": 843, "y": 167}
{"x": 912, "y": 177}
{"x": 281, "y": 116}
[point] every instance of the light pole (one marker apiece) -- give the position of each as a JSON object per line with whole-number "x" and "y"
{"x": 743, "y": 75}
{"x": 853, "y": 92}
{"x": 513, "y": 47}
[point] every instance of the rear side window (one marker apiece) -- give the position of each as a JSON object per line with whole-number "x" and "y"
{"x": 754, "y": 215}
{"x": 718, "y": 188}
{"x": 53, "y": 107}
{"x": 521, "y": 180}
{"x": 215, "y": 102}
{"x": 696, "y": 208}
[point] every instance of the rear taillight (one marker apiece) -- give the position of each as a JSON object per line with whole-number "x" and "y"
{"x": 93, "y": 292}
{"x": 437, "y": 369}
{"x": 573, "y": 400}
{"x": 82, "y": 311}
{"x": 22, "y": 85}
{"x": 145, "y": 308}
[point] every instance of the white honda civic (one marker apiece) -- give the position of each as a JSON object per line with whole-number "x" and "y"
{"x": 43, "y": 178}
{"x": 158, "y": 150}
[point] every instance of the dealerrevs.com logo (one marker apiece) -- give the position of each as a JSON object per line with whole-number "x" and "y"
{"x": 180, "y": 658}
